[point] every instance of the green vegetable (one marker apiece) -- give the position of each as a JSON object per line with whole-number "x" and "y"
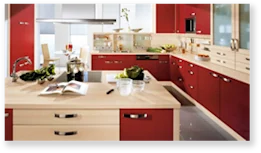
{"x": 157, "y": 50}
{"x": 41, "y": 73}
{"x": 134, "y": 72}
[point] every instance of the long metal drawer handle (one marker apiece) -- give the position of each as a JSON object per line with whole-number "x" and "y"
{"x": 247, "y": 68}
{"x": 108, "y": 62}
{"x": 236, "y": 44}
{"x": 232, "y": 45}
{"x": 6, "y": 114}
{"x": 226, "y": 80}
{"x": 65, "y": 133}
{"x": 191, "y": 72}
{"x": 135, "y": 116}
{"x": 101, "y": 56}
{"x": 248, "y": 59}
{"x": 214, "y": 75}
{"x": 65, "y": 115}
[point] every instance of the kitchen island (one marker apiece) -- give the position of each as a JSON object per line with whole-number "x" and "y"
{"x": 152, "y": 114}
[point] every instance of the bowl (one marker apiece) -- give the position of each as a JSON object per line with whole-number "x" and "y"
{"x": 136, "y": 30}
{"x": 138, "y": 85}
{"x": 118, "y": 30}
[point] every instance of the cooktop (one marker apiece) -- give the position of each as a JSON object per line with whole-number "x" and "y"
{"x": 86, "y": 76}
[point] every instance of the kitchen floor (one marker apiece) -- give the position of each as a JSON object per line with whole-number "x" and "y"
{"x": 195, "y": 125}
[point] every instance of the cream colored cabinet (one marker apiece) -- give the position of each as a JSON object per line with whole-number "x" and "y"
{"x": 230, "y": 33}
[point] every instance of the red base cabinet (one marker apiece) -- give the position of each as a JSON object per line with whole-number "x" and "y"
{"x": 208, "y": 90}
{"x": 8, "y": 124}
{"x": 234, "y": 105}
{"x": 146, "y": 124}
{"x": 21, "y": 34}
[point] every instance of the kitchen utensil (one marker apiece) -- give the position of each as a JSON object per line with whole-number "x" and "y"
{"x": 108, "y": 92}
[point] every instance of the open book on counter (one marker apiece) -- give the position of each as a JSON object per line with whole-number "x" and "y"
{"x": 63, "y": 87}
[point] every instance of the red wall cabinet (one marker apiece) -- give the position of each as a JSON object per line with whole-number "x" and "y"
{"x": 165, "y": 18}
{"x": 208, "y": 90}
{"x": 180, "y": 18}
{"x": 21, "y": 34}
{"x": 234, "y": 105}
{"x": 203, "y": 19}
{"x": 146, "y": 124}
{"x": 8, "y": 124}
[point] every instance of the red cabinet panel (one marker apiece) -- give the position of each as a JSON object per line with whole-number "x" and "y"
{"x": 234, "y": 105}
{"x": 191, "y": 79}
{"x": 150, "y": 65}
{"x": 180, "y": 18}
{"x": 208, "y": 90}
{"x": 21, "y": 34}
{"x": 203, "y": 19}
{"x": 175, "y": 74}
{"x": 163, "y": 73}
{"x": 158, "y": 125}
{"x": 8, "y": 124}
{"x": 165, "y": 18}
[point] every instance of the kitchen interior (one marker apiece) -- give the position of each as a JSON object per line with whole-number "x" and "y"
{"x": 187, "y": 67}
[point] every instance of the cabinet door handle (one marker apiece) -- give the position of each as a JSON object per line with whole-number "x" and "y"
{"x": 193, "y": 14}
{"x": 21, "y": 22}
{"x": 226, "y": 80}
{"x": 232, "y": 45}
{"x": 65, "y": 133}
{"x": 224, "y": 54}
{"x": 6, "y": 114}
{"x": 224, "y": 62}
{"x": 247, "y": 68}
{"x": 218, "y": 53}
{"x": 177, "y": 31}
{"x": 135, "y": 116}
{"x": 214, "y": 75}
{"x": 65, "y": 115}
{"x": 26, "y": 23}
{"x": 191, "y": 72}
{"x": 236, "y": 44}
{"x": 180, "y": 67}
{"x": 180, "y": 61}
{"x": 218, "y": 61}
{"x": 199, "y": 31}
{"x": 248, "y": 59}
{"x": 191, "y": 87}
{"x": 117, "y": 62}
{"x": 180, "y": 79}
{"x": 173, "y": 63}
{"x": 101, "y": 56}
{"x": 108, "y": 62}
{"x": 191, "y": 65}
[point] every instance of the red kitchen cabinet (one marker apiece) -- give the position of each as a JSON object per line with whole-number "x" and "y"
{"x": 208, "y": 90}
{"x": 176, "y": 77}
{"x": 165, "y": 18}
{"x": 163, "y": 73}
{"x": 150, "y": 65}
{"x": 112, "y": 62}
{"x": 146, "y": 124}
{"x": 8, "y": 124}
{"x": 21, "y": 34}
{"x": 203, "y": 19}
{"x": 180, "y": 18}
{"x": 191, "y": 79}
{"x": 234, "y": 105}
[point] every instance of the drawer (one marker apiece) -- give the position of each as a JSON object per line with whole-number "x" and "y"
{"x": 66, "y": 132}
{"x": 191, "y": 67}
{"x": 164, "y": 57}
{"x": 243, "y": 67}
{"x": 223, "y": 62}
{"x": 66, "y": 117}
{"x": 242, "y": 58}
{"x": 114, "y": 57}
{"x": 223, "y": 54}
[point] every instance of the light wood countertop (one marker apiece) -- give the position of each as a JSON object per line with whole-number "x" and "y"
{"x": 25, "y": 95}
{"x": 240, "y": 76}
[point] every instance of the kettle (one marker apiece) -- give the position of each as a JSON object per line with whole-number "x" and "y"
{"x": 75, "y": 69}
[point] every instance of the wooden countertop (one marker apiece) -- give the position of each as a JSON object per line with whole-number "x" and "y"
{"x": 25, "y": 95}
{"x": 240, "y": 76}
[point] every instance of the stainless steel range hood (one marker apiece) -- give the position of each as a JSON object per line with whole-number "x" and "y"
{"x": 77, "y": 21}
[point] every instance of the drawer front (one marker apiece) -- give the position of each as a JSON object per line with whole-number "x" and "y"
{"x": 223, "y": 62}
{"x": 66, "y": 117}
{"x": 242, "y": 58}
{"x": 66, "y": 132}
{"x": 243, "y": 67}
{"x": 223, "y": 54}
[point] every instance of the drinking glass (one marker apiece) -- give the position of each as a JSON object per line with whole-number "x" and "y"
{"x": 125, "y": 86}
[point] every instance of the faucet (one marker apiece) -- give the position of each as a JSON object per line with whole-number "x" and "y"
{"x": 14, "y": 75}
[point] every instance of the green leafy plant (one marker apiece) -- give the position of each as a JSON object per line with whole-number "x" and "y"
{"x": 39, "y": 74}
{"x": 125, "y": 14}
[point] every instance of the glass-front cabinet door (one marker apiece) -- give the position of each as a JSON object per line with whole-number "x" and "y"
{"x": 243, "y": 28}
{"x": 231, "y": 26}
{"x": 222, "y": 24}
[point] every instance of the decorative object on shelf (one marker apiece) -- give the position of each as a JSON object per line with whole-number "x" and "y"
{"x": 118, "y": 30}
{"x": 169, "y": 47}
{"x": 126, "y": 15}
{"x": 40, "y": 75}
{"x": 202, "y": 57}
{"x": 136, "y": 30}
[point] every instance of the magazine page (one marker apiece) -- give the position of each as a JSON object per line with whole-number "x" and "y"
{"x": 54, "y": 89}
{"x": 76, "y": 86}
